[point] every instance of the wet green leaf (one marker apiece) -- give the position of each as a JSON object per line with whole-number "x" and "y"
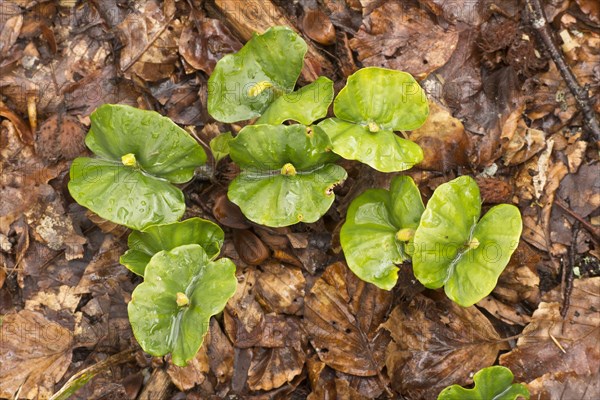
{"x": 492, "y": 383}
{"x": 369, "y": 237}
{"x": 124, "y": 195}
{"x": 170, "y": 311}
{"x": 287, "y": 175}
{"x": 452, "y": 248}
{"x": 305, "y": 105}
{"x": 139, "y": 154}
{"x": 384, "y": 151}
{"x": 144, "y": 244}
{"x": 244, "y": 84}
{"x": 219, "y": 146}
{"x": 374, "y": 103}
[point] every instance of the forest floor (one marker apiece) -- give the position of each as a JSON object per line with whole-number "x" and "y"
{"x": 501, "y": 111}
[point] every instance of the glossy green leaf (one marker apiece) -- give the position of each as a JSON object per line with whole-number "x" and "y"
{"x": 305, "y": 105}
{"x": 391, "y": 99}
{"x": 144, "y": 244}
{"x": 492, "y": 383}
{"x": 287, "y": 175}
{"x": 452, "y": 248}
{"x": 124, "y": 195}
{"x": 374, "y": 103}
{"x": 384, "y": 151}
{"x": 219, "y": 146}
{"x": 170, "y": 311}
{"x": 161, "y": 148}
{"x": 244, "y": 84}
{"x": 140, "y": 153}
{"x": 369, "y": 237}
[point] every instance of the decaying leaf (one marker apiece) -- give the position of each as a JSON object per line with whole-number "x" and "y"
{"x": 192, "y": 374}
{"x": 149, "y": 36}
{"x": 437, "y": 343}
{"x": 35, "y": 354}
{"x": 204, "y": 41}
{"x": 551, "y": 346}
{"x": 443, "y": 140}
{"x": 342, "y": 315}
{"x": 280, "y": 288}
{"x": 398, "y": 36}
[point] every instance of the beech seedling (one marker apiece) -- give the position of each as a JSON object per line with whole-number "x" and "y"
{"x": 169, "y": 312}
{"x": 144, "y": 244}
{"x": 287, "y": 174}
{"x": 258, "y": 81}
{"x": 491, "y": 383}
{"x": 455, "y": 249}
{"x": 379, "y": 226}
{"x": 139, "y": 156}
{"x": 374, "y": 103}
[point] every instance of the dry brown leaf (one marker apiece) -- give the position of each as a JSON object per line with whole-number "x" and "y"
{"x": 550, "y": 346}
{"x": 220, "y": 353}
{"x": 194, "y": 373}
{"x": 459, "y": 11}
{"x": 437, "y": 343}
{"x": 398, "y": 36}
{"x": 60, "y": 137}
{"x": 565, "y": 386}
{"x": 342, "y": 315}
{"x": 443, "y": 140}
{"x": 150, "y": 37}
{"x": 244, "y": 317}
{"x": 494, "y": 190}
{"x": 272, "y": 368}
{"x": 204, "y": 41}
{"x": 521, "y": 143}
{"x": 35, "y": 354}
{"x": 249, "y": 247}
{"x": 317, "y": 26}
{"x": 280, "y": 288}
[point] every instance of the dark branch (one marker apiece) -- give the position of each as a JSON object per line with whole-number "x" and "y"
{"x": 535, "y": 14}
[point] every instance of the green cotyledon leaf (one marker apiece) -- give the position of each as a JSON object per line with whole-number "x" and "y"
{"x": 374, "y": 103}
{"x": 124, "y": 195}
{"x": 305, "y": 105}
{"x": 169, "y": 312}
{"x": 139, "y": 154}
{"x": 379, "y": 225}
{"x": 244, "y": 84}
{"x": 453, "y": 248}
{"x": 287, "y": 174}
{"x": 492, "y": 383}
{"x": 144, "y": 244}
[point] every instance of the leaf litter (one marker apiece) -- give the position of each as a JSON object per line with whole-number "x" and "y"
{"x": 301, "y": 325}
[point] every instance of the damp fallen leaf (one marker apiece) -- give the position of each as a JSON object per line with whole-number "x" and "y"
{"x": 434, "y": 343}
{"x": 35, "y": 353}
{"x": 342, "y": 315}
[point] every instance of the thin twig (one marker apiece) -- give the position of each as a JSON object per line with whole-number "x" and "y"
{"x": 539, "y": 22}
{"x": 568, "y": 275}
{"x": 594, "y": 231}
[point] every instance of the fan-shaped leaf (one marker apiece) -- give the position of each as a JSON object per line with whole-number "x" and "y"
{"x": 170, "y": 311}
{"x": 287, "y": 174}
{"x": 371, "y": 236}
{"x": 492, "y": 383}
{"x": 244, "y": 84}
{"x": 139, "y": 152}
{"x": 144, "y": 244}
{"x": 452, "y": 248}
